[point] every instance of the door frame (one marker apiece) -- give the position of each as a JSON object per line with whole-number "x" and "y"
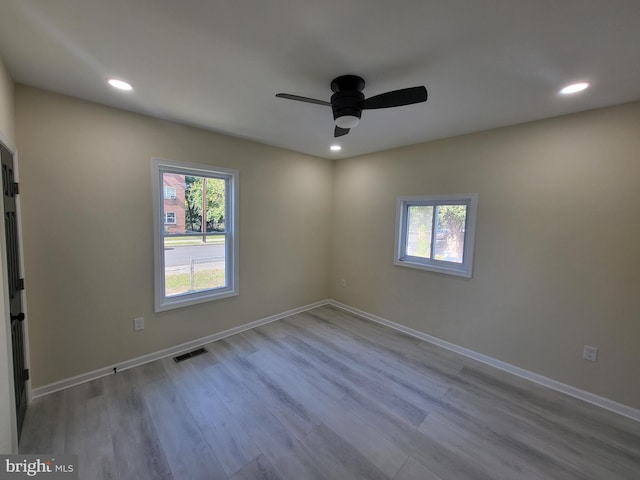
{"x": 4, "y": 300}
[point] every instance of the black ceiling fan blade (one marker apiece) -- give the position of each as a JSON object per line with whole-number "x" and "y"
{"x": 396, "y": 98}
{"x": 339, "y": 132}
{"x": 302, "y": 99}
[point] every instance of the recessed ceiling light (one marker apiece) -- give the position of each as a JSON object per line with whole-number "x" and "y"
{"x": 574, "y": 88}
{"x": 120, "y": 84}
{"x": 335, "y": 148}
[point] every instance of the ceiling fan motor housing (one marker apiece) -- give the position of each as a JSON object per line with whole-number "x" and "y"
{"x": 348, "y": 97}
{"x": 347, "y": 103}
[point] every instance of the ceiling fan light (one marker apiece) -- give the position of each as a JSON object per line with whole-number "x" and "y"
{"x": 347, "y": 121}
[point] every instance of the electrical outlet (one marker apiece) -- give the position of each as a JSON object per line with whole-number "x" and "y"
{"x": 342, "y": 283}
{"x": 138, "y": 324}
{"x": 590, "y": 353}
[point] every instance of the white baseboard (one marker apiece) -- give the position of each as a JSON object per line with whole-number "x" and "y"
{"x": 589, "y": 397}
{"x": 167, "y": 352}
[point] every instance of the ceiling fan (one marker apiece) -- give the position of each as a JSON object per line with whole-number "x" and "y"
{"x": 347, "y": 101}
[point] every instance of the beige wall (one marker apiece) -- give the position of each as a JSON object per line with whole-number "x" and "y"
{"x": 8, "y": 439}
{"x": 557, "y": 253}
{"x": 86, "y": 178}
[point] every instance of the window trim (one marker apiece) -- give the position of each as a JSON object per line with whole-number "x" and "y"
{"x": 159, "y": 166}
{"x": 464, "y": 269}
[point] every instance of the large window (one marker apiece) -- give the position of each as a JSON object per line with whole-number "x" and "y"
{"x": 436, "y": 233}
{"x": 196, "y": 245}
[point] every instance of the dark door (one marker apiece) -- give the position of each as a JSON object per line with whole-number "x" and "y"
{"x": 15, "y": 284}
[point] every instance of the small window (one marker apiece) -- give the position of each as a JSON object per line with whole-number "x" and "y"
{"x": 195, "y": 243}
{"x": 169, "y": 218}
{"x": 436, "y": 233}
{"x": 169, "y": 193}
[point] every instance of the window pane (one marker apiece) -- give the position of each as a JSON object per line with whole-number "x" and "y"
{"x": 173, "y": 202}
{"x": 194, "y": 259}
{"x": 192, "y": 265}
{"x": 419, "y": 225}
{"x": 214, "y": 190}
{"x": 450, "y": 224}
{"x": 216, "y": 204}
{"x": 183, "y": 203}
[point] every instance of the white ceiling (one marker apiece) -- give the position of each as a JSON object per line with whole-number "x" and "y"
{"x": 217, "y": 64}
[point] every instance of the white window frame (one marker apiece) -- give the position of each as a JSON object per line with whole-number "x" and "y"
{"x": 167, "y": 195}
{"x": 464, "y": 269}
{"x": 166, "y": 218}
{"x": 160, "y": 166}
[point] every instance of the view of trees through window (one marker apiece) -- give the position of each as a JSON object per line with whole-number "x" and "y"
{"x": 439, "y": 238}
{"x": 214, "y": 204}
{"x": 195, "y": 240}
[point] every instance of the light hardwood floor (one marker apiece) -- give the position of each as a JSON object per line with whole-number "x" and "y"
{"x": 327, "y": 395}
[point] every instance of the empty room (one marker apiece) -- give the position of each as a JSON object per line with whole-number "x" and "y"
{"x": 320, "y": 240}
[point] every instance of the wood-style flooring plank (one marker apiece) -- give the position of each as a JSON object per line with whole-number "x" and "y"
{"x": 373, "y": 354}
{"x": 338, "y": 458}
{"x": 290, "y": 413}
{"x": 258, "y": 469}
{"x": 44, "y": 425}
{"x": 413, "y": 470}
{"x": 520, "y": 426}
{"x": 187, "y": 452}
{"x": 579, "y": 416}
{"x": 370, "y": 385}
{"x": 365, "y": 438}
{"x": 394, "y": 342}
{"x": 489, "y": 459}
{"x": 226, "y": 437}
{"x": 428, "y": 451}
{"x": 136, "y": 446}
{"x": 326, "y": 384}
{"x": 88, "y": 432}
{"x": 418, "y": 389}
{"x": 274, "y": 439}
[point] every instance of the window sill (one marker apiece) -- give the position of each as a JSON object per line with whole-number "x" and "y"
{"x": 192, "y": 299}
{"x": 446, "y": 269}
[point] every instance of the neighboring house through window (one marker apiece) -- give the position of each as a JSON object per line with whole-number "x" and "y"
{"x": 173, "y": 202}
